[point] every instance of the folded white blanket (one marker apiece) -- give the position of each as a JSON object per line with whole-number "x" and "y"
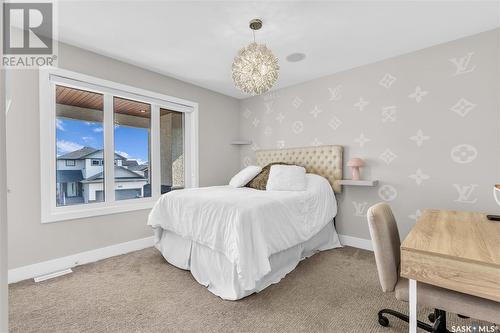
{"x": 244, "y": 224}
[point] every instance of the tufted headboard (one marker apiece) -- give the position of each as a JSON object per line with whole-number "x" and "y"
{"x": 325, "y": 161}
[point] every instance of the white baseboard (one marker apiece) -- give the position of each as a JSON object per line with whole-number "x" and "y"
{"x": 50, "y": 266}
{"x": 360, "y": 243}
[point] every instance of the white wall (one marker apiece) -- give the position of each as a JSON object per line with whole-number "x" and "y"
{"x": 413, "y": 174}
{"x": 3, "y": 204}
{"x": 30, "y": 241}
{"x": 4, "y": 319}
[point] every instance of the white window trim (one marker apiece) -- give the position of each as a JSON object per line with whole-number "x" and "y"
{"x": 47, "y": 80}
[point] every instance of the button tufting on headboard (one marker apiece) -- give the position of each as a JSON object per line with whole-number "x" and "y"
{"x": 325, "y": 161}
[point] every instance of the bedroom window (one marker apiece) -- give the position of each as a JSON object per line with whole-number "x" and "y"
{"x": 132, "y": 121}
{"x": 171, "y": 150}
{"x": 109, "y": 148}
{"x": 78, "y": 127}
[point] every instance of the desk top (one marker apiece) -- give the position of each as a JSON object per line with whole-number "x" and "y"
{"x": 469, "y": 236}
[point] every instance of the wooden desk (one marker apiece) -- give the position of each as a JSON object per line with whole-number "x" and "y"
{"x": 454, "y": 250}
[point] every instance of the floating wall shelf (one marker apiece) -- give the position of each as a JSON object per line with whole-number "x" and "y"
{"x": 350, "y": 182}
{"x": 241, "y": 142}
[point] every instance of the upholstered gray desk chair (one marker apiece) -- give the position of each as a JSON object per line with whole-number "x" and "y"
{"x": 386, "y": 244}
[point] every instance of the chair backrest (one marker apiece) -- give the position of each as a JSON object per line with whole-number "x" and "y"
{"x": 386, "y": 243}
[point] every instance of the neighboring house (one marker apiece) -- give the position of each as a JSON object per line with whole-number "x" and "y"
{"x": 142, "y": 169}
{"x": 80, "y": 177}
{"x": 129, "y": 163}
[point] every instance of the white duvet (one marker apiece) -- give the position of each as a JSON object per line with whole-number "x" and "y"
{"x": 244, "y": 224}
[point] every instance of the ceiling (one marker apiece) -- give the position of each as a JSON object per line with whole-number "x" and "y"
{"x": 197, "y": 41}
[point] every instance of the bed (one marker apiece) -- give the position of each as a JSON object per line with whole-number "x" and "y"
{"x": 238, "y": 241}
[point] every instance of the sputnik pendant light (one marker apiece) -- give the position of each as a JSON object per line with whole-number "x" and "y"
{"x": 255, "y": 68}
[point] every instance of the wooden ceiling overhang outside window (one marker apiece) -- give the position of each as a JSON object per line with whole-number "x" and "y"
{"x": 94, "y": 101}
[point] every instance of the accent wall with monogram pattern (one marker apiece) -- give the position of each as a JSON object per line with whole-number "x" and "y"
{"x": 427, "y": 124}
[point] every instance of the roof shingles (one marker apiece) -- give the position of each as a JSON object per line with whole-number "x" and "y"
{"x": 83, "y": 153}
{"x": 78, "y": 154}
{"x": 120, "y": 173}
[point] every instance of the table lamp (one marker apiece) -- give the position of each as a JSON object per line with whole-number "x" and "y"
{"x": 355, "y": 163}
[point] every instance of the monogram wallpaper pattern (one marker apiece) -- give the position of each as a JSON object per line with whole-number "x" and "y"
{"x": 426, "y": 123}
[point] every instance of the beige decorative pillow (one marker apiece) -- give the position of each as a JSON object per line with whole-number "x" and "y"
{"x": 259, "y": 182}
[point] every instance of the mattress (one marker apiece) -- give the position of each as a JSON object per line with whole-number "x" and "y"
{"x": 244, "y": 226}
{"x": 213, "y": 270}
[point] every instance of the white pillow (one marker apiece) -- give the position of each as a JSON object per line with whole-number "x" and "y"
{"x": 244, "y": 176}
{"x": 286, "y": 178}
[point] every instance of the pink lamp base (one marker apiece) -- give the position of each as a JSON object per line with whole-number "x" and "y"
{"x": 355, "y": 173}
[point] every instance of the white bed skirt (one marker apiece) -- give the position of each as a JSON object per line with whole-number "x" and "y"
{"x": 213, "y": 270}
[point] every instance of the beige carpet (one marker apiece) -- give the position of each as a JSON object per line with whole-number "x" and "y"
{"x": 333, "y": 291}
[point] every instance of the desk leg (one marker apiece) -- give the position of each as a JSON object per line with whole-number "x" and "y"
{"x": 412, "y": 285}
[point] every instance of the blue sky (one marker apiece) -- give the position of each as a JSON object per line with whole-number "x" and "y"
{"x": 130, "y": 142}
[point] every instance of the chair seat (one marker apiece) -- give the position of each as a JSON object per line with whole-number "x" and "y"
{"x": 451, "y": 301}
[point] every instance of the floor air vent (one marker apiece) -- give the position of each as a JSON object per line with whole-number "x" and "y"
{"x": 52, "y": 275}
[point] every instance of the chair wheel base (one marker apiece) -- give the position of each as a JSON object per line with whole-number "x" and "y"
{"x": 383, "y": 321}
{"x": 440, "y": 325}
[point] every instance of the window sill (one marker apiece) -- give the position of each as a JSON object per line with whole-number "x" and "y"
{"x": 97, "y": 209}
